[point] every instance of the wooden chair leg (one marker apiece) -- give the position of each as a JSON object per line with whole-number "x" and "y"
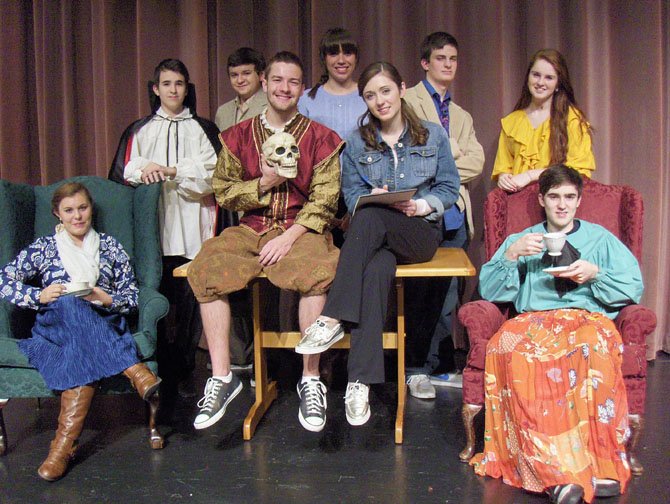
{"x": 155, "y": 438}
{"x": 266, "y": 392}
{"x": 400, "y": 344}
{"x": 3, "y": 432}
{"x": 636, "y": 423}
{"x": 468, "y": 414}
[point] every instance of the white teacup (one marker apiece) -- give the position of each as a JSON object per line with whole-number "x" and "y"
{"x": 76, "y": 287}
{"x": 554, "y": 242}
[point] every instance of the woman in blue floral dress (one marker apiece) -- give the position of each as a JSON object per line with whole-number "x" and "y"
{"x": 82, "y": 284}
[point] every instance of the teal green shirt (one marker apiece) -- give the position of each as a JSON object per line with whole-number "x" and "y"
{"x": 522, "y": 282}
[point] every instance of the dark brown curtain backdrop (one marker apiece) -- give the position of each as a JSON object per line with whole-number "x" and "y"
{"x": 75, "y": 72}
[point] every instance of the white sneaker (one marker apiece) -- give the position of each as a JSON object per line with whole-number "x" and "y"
{"x": 454, "y": 380}
{"x": 356, "y": 404}
{"x": 319, "y": 338}
{"x": 420, "y": 387}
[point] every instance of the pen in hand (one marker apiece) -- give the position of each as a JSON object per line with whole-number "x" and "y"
{"x": 367, "y": 181}
{"x": 373, "y": 188}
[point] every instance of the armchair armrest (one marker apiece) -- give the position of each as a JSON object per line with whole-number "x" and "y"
{"x": 635, "y": 323}
{"x": 481, "y": 319}
{"x": 152, "y": 307}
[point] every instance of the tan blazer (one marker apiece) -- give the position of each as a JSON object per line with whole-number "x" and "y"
{"x": 225, "y": 115}
{"x": 468, "y": 152}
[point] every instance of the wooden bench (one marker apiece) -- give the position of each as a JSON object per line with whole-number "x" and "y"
{"x": 447, "y": 262}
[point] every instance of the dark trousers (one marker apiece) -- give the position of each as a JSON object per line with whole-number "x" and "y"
{"x": 427, "y": 303}
{"x": 179, "y": 332}
{"x": 378, "y": 239}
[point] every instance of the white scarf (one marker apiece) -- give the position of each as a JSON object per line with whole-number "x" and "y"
{"x": 81, "y": 263}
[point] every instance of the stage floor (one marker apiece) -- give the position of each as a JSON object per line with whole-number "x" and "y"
{"x": 283, "y": 462}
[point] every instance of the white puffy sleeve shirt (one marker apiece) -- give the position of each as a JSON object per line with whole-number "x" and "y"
{"x": 187, "y": 208}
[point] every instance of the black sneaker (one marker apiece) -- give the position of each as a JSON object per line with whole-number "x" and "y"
{"x": 566, "y": 494}
{"x": 218, "y": 395}
{"x": 312, "y": 412}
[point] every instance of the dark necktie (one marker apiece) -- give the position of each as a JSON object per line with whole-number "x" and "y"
{"x": 444, "y": 114}
{"x": 569, "y": 254}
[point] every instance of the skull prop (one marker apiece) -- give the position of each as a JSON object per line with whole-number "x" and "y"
{"x": 281, "y": 150}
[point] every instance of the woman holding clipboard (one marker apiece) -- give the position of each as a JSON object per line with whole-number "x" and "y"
{"x": 391, "y": 151}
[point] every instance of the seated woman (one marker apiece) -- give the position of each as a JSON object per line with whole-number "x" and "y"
{"x": 556, "y": 409}
{"x": 546, "y": 128}
{"x": 82, "y": 337}
{"x": 392, "y": 150}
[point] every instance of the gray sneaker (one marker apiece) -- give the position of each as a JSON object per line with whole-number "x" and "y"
{"x": 319, "y": 338}
{"x": 420, "y": 387}
{"x": 312, "y": 412}
{"x": 356, "y": 404}
{"x": 218, "y": 395}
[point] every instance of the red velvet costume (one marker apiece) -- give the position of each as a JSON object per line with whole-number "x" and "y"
{"x": 310, "y": 199}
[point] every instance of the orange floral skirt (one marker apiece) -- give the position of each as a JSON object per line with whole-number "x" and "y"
{"x": 556, "y": 409}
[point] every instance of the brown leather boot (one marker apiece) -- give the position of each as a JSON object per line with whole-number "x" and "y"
{"x": 74, "y": 405}
{"x": 144, "y": 381}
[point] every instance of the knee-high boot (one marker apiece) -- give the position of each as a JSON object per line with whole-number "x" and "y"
{"x": 74, "y": 405}
{"x": 144, "y": 381}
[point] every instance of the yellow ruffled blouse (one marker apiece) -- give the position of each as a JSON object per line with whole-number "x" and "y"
{"x": 522, "y": 147}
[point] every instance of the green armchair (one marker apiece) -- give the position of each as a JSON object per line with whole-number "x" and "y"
{"x": 130, "y": 215}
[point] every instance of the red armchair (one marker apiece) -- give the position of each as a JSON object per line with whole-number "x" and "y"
{"x": 617, "y": 208}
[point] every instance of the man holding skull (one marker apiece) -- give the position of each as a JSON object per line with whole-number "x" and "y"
{"x": 283, "y": 232}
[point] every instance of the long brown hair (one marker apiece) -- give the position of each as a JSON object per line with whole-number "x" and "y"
{"x": 563, "y": 99}
{"x": 369, "y": 125}
{"x": 333, "y": 41}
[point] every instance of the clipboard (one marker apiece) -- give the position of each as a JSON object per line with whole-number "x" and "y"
{"x": 386, "y": 198}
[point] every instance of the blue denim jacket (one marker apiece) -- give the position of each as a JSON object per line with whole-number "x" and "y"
{"x": 430, "y": 168}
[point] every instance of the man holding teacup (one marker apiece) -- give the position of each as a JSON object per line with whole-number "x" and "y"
{"x": 556, "y": 410}
{"x": 560, "y": 203}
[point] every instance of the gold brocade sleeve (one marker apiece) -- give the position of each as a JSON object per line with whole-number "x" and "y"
{"x": 231, "y": 190}
{"x": 320, "y": 208}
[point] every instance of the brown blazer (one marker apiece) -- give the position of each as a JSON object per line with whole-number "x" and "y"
{"x": 225, "y": 115}
{"x": 468, "y": 152}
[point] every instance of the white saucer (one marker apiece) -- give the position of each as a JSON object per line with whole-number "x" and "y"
{"x": 556, "y": 269}
{"x": 79, "y": 289}
{"x": 80, "y": 293}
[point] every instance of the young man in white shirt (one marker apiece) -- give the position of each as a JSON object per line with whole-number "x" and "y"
{"x": 176, "y": 148}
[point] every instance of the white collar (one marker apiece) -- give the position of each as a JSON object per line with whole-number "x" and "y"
{"x": 184, "y": 114}
{"x": 266, "y": 124}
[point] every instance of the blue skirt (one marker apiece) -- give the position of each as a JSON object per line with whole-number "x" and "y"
{"x": 75, "y": 343}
